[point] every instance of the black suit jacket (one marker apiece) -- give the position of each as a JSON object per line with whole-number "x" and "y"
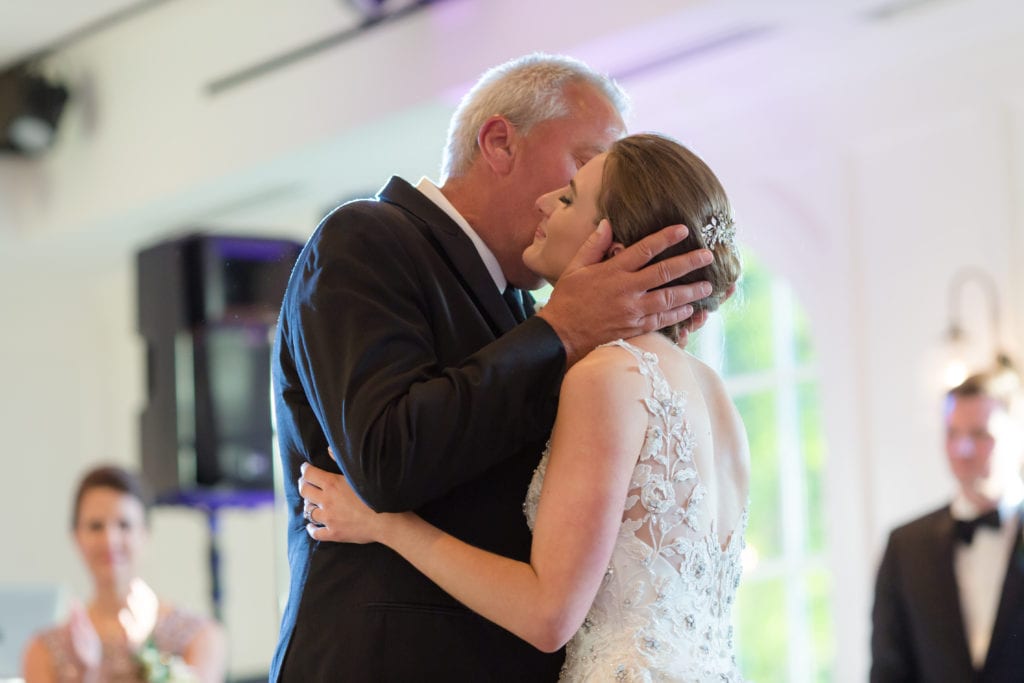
{"x": 395, "y": 348}
{"x": 918, "y": 629}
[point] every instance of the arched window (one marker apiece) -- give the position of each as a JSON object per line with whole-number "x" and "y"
{"x": 761, "y": 346}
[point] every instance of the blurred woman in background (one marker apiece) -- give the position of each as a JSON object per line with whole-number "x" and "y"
{"x": 125, "y": 633}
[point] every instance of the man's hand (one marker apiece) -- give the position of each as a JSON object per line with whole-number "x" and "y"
{"x": 694, "y": 323}
{"x": 598, "y": 301}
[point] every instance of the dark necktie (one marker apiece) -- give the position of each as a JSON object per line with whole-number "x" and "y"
{"x": 965, "y": 528}
{"x": 513, "y": 297}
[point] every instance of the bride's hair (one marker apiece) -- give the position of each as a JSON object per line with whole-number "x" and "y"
{"x": 651, "y": 181}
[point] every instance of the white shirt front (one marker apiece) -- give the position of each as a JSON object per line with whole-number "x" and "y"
{"x": 980, "y": 568}
{"x": 432, "y": 192}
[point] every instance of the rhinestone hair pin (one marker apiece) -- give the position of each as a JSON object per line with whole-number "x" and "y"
{"x": 719, "y": 230}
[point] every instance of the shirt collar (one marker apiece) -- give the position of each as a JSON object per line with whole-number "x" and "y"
{"x": 432, "y": 192}
{"x": 1009, "y": 504}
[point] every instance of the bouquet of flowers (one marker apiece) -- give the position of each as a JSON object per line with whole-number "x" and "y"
{"x": 160, "y": 667}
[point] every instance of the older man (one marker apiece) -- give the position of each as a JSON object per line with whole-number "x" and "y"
{"x": 949, "y": 601}
{"x": 399, "y": 348}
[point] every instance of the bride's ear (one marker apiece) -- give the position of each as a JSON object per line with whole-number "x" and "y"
{"x": 614, "y": 249}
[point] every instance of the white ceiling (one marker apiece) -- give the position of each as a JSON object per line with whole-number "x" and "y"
{"x": 711, "y": 52}
{"x": 31, "y": 26}
{"x": 28, "y": 27}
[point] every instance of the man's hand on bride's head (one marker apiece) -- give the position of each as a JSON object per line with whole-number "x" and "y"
{"x": 332, "y": 510}
{"x": 691, "y": 324}
{"x": 697, "y": 320}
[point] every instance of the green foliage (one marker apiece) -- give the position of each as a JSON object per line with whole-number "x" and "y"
{"x": 766, "y": 635}
{"x": 819, "y": 587}
{"x": 763, "y": 632}
{"x": 812, "y": 443}
{"x": 759, "y": 416}
{"x": 748, "y": 322}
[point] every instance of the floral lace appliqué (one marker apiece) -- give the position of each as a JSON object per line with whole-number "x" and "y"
{"x": 663, "y": 612}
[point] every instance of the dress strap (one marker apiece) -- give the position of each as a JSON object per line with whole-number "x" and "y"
{"x": 644, "y": 358}
{"x": 648, "y": 364}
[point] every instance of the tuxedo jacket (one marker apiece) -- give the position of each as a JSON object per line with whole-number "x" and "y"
{"x": 395, "y": 348}
{"x": 918, "y": 629}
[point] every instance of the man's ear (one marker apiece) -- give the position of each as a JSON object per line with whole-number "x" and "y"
{"x": 497, "y": 140}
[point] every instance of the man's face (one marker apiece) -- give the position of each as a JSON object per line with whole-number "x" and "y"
{"x": 549, "y": 156}
{"x": 983, "y": 445}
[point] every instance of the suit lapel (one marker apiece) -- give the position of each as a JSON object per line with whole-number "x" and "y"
{"x": 456, "y": 248}
{"x": 947, "y": 593}
{"x": 1011, "y": 602}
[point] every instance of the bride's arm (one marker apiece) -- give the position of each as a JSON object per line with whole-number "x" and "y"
{"x": 595, "y": 442}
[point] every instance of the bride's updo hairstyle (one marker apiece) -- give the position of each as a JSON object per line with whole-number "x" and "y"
{"x": 651, "y": 181}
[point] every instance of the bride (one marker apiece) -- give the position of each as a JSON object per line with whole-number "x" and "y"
{"x": 639, "y": 503}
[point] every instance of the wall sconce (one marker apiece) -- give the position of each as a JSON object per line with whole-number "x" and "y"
{"x": 30, "y": 110}
{"x": 961, "y": 350}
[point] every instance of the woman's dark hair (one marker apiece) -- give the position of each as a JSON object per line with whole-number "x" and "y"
{"x": 651, "y": 181}
{"x": 111, "y": 477}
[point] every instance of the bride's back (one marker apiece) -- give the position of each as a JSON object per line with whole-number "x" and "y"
{"x": 663, "y": 610}
{"x": 717, "y": 440}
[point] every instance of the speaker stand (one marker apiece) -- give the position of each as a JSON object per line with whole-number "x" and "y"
{"x": 211, "y": 503}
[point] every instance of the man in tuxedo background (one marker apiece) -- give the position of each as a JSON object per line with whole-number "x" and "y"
{"x": 407, "y": 346}
{"x": 949, "y": 598}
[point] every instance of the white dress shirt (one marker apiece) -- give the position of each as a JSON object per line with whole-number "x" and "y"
{"x": 980, "y": 568}
{"x": 434, "y": 194}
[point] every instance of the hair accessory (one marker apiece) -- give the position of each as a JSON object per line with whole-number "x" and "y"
{"x": 719, "y": 230}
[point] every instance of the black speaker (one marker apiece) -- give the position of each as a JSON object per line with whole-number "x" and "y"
{"x": 207, "y": 307}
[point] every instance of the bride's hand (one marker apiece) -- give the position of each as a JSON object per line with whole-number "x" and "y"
{"x": 333, "y": 510}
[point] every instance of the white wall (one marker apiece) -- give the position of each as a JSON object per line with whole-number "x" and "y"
{"x": 867, "y": 160}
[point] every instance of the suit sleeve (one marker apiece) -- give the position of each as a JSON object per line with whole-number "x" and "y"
{"x": 892, "y": 656}
{"x": 364, "y": 332}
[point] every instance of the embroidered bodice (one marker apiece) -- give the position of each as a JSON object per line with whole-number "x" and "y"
{"x": 663, "y": 610}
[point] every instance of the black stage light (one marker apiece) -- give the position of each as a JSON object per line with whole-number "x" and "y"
{"x": 30, "y": 110}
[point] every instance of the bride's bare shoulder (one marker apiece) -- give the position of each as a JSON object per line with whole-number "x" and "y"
{"x": 609, "y": 370}
{"x": 607, "y": 358}
{"x": 730, "y": 434}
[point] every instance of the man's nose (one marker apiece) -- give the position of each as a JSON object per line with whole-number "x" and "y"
{"x": 963, "y": 447}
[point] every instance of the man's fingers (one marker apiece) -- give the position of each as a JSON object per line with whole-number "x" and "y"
{"x": 697, "y": 320}
{"x": 663, "y": 272}
{"x": 638, "y": 254}
{"x": 675, "y": 299}
{"x": 666, "y": 318}
{"x": 594, "y": 249}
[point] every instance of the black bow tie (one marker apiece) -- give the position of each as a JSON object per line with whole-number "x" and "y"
{"x": 965, "y": 528}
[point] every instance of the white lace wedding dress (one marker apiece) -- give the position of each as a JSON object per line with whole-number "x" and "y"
{"x": 663, "y": 611}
